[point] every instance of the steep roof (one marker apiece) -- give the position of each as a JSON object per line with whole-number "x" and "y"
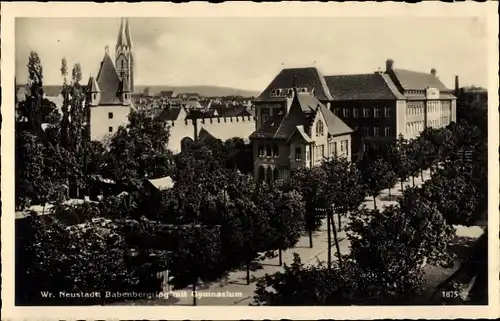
{"x": 108, "y": 82}
{"x": 374, "y": 86}
{"x": 171, "y": 113}
{"x": 283, "y": 125}
{"x": 409, "y": 79}
{"x": 93, "y": 87}
{"x": 335, "y": 125}
{"x": 310, "y": 78}
{"x": 301, "y": 115}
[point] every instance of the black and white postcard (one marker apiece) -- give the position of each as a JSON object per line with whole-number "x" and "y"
{"x": 274, "y": 160}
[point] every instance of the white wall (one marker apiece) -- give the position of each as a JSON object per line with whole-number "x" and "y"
{"x": 100, "y": 121}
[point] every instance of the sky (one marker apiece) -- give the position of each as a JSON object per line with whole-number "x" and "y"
{"x": 247, "y": 53}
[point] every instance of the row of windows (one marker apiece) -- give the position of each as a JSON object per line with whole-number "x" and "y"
{"x": 441, "y": 122}
{"x": 377, "y": 131}
{"x": 285, "y": 92}
{"x": 433, "y": 106}
{"x": 367, "y": 112}
{"x": 415, "y": 92}
{"x": 268, "y": 174}
{"x": 415, "y": 127}
{"x": 415, "y": 110}
{"x": 268, "y": 151}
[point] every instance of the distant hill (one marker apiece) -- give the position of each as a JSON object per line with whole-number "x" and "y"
{"x": 207, "y": 91}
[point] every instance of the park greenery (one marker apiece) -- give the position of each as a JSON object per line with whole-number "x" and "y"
{"x": 217, "y": 218}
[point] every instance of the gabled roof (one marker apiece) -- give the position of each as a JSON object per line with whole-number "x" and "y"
{"x": 108, "y": 82}
{"x": 335, "y": 125}
{"x": 223, "y": 111}
{"x": 409, "y": 79}
{"x": 171, "y": 113}
{"x": 283, "y": 125}
{"x": 302, "y": 113}
{"x": 310, "y": 78}
{"x": 376, "y": 86}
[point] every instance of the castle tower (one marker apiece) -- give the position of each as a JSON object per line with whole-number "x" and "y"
{"x": 124, "y": 56}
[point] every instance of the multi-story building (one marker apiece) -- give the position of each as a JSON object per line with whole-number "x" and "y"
{"x": 109, "y": 94}
{"x": 383, "y": 105}
{"x": 295, "y": 130}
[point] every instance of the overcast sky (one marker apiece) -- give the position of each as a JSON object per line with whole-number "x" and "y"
{"x": 247, "y": 53}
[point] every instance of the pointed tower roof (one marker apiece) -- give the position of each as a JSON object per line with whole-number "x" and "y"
{"x": 93, "y": 87}
{"x": 128, "y": 33}
{"x": 122, "y": 38}
{"x": 108, "y": 81}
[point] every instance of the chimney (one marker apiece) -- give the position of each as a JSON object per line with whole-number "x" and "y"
{"x": 389, "y": 65}
{"x": 433, "y": 72}
{"x": 457, "y": 86}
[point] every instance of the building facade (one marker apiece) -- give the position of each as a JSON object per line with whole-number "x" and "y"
{"x": 109, "y": 94}
{"x": 383, "y": 105}
{"x": 295, "y": 131}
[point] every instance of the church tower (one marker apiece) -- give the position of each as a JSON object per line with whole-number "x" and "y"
{"x": 124, "y": 56}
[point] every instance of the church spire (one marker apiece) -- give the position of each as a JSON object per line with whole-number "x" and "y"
{"x": 122, "y": 38}
{"x": 128, "y": 33}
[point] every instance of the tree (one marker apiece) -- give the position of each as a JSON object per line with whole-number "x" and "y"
{"x": 286, "y": 211}
{"x": 401, "y": 160}
{"x": 239, "y": 155}
{"x": 308, "y": 183}
{"x": 454, "y": 195}
{"x": 309, "y": 285}
{"x": 346, "y": 181}
{"x": 376, "y": 175}
{"x": 139, "y": 150}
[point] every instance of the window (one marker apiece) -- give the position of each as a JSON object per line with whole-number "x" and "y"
{"x": 355, "y": 112}
{"x": 387, "y": 131}
{"x": 262, "y": 173}
{"x": 110, "y": 129}
{"x": 261, "y": 151}
{"x": 265, "y": 114}
{"x": 110, "y": 115}
{"x": 377, "y": 112}
{"x": 335, "y": 148}
{"x": 320, "y": 151}
{"x": 94, "y": 96}
{"x": 268, "y": 150}
{"x": 269, "y": 176}
{"x": 337, "y": 111}
{"x": 376, "y": 131}
{"x": 276, "y": 174}
{"x": 366, "y": 112}
{"x": 366, "y": 131}
{"x": 346, "y": 147}
{"x": 319, "y": 128}
{"x": 275, "y": 151}
{"x": 298, "y": 154}
{"x": 387, "y": 112}
{"x": 346, "y": 112}
{"x": 342, "y": 146}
